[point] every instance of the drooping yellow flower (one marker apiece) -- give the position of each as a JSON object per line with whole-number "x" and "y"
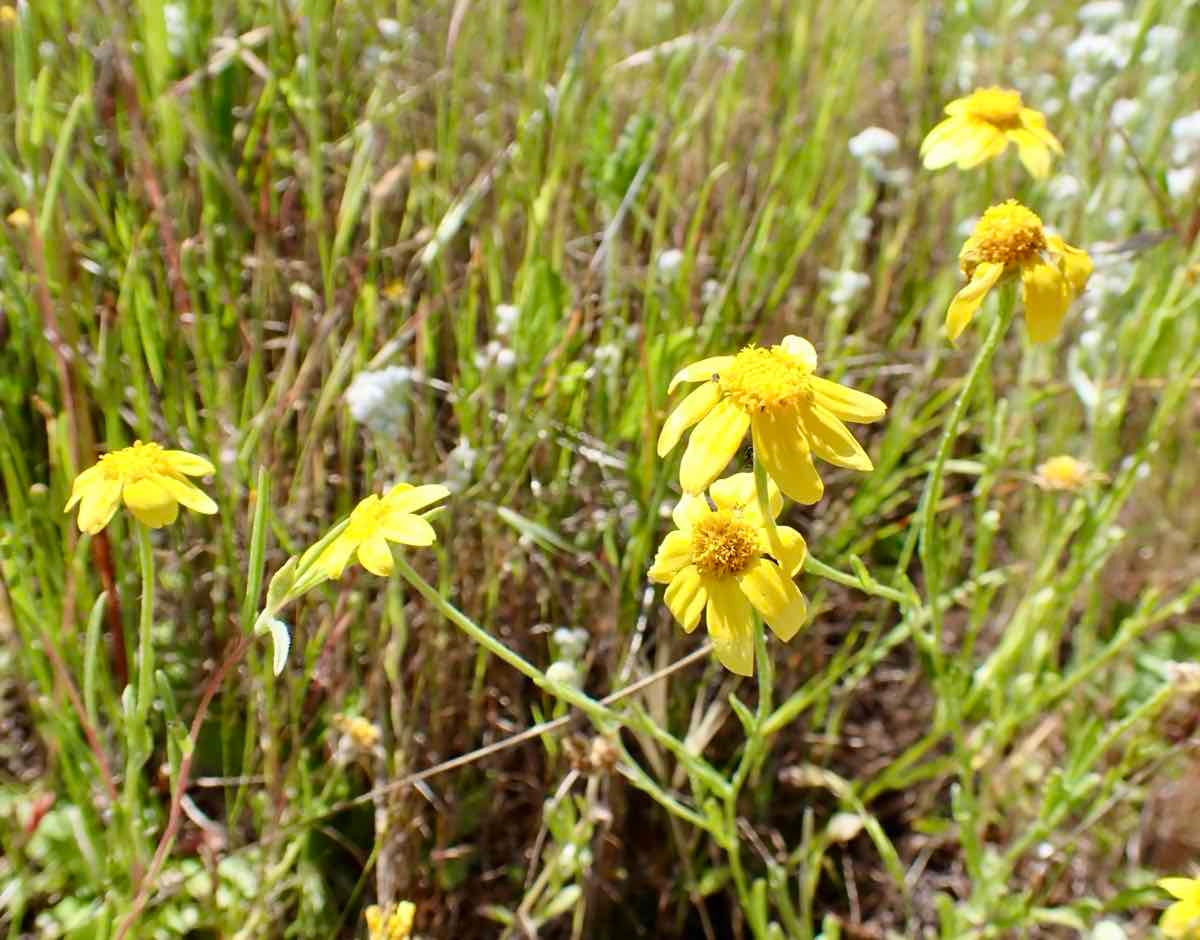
{"x": 721, "y": 561}
{"x": 1065, "y": 473}
{"x": 1182, "y": 919}
{"x": 790, "y": 412}
{"x": 1009, "y": 240}
{"x": 982, "y": 125}
{"x": 394, "y": 922}
{"x": 151, "y": 481}
{"x": 379, "y": 520}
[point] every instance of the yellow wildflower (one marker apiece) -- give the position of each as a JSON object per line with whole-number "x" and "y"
{"x": 360, "y": 732}
{"x": 377, "y": 521}
{"x": 790, "y": 412}
{"x": 1181, "y": 919}
{"x": 1009, "y": 240}
{"x": 716, "y": 561}
{"x": 1064, "y": 473}
{"x": 151, "y": 481}
{"x": 19, "y": 218}
{"x": 393, "y": 922}
{"x": 8, "y": 15}
{"x": 982, "y": 125}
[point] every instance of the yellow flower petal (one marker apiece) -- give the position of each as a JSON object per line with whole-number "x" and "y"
{"x": 1181, "y": 888}
{"x": 688, "y": 412}
{"x": 686, "y": 596}
{"x": 1075, "y": 263}
{"x": 740, "y": 492}
{"x": 188, "y": 494}
{"x": 802, "y": 349}
{"x": 701, "y": 371}
{"x": 1032, "y": 150}
{"x": 780, "y": 443}
{"x": 730, "y": 625}
{"x": 404, "y": 497}
{"x": 336, "y": 555}
{"x": 1035, "y": 122}
{"x": 967, "y": 300}
{"x": 980, "y": 144}
{"x": 99, "y": 500}
{"x": 89, "y": 477}
{"x": 376, "y": 555}
{"x": 941, "y": 145}
{"x": 689, "y": 510}
{"x": 791, "y": 550}
{"x": 775, "y": 597}
{"x": 673, "y": 554}
{"x": 847, "y": 403}
{"x": 714, "y": 442}
{"x": 831, "y": 440}
{"x": 406, "y": 528}
{"x": 1046, "y": 296}
{"x": 150, "y": 503}
{"x": 1181, "y": 920}
{"x": 192, "y": 465}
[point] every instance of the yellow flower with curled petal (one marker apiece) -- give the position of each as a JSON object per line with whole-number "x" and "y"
{"x": 375, "y": 522}
{"x": 393, "y": 922}
{"x": 1182, "y": 919}
{"x": 790, "y": 412}
{"x": 982, "y": 125}
{"x": 151, "y": 481}
{"x": 1009, "y": 240}
{"x": 720, "y": 560}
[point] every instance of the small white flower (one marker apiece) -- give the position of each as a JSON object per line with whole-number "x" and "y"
{"x": 1185, "y": 132}
{"x": 390, "y": 29}
{"x": 1101, "y": 13}
{"x": 669, "y": 262}
{"x": 380, "y": 399}
{"x": 845, "y": 285}
{"x": 1094, "y": 51}
{"x": 873, "y": 142}
{"x": 1064, "y": 187}
{"x": 1082, "y": 86}
{"x": 1161, "y": 85}
{"x": 175, "y": 16}
{"x": 1125, "y": 111}
{"x": 506, "y": 319}
{"x": 860, "y": 228}
{"x": 1181, "y": 181}
{"x": 709, "y": 290}
{"x": 563, "y": 673}
{"x": 1162, "y": 44}
{"x": 460, "y": 466}
{"x": 506, "y": 359}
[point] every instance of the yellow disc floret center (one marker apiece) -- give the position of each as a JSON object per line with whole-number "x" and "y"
{"x": 723, "y": 544}
{"x": 136, "y": 462}
{"x": 1007, "y": 234}
{"x": 762, "y": 379}
{"x": 999, "y": 107}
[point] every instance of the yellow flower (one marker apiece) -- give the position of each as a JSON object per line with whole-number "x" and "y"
{"x": 1009, "y": 240}
{"x": 394, "y": 922}
{"x": 361, "y": 733}
{"x": 1064, "y": 473}
{"x": 1181, "y": 919}
{"x": 18, "y": 218}
{"x": 982, "y": 125}
{"x": 8, "y": 15}
{"x": 716, "y": 561}
{"x": 377, "y": 521}
{"x": 151, "y": 481}
{"x": 790, "y": 412}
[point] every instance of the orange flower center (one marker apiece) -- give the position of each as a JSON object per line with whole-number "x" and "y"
{"x": 999, "y": 107}
{"x": 1008, "y": 234}
{"x": 724, "y": 545}
{"x": 765, "y": 379}
{"x": 136, "y": 462}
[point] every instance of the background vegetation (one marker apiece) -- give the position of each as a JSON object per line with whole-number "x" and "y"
{"x": 220, "y": 214}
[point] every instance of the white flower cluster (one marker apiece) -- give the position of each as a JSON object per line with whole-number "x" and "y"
{"x": 1185, "y": 155}
{"x": 498, "y": 356}
{"x": 845, "y": 286}
{"x": 380, "y": 400}
{"x": 872, "y": 147}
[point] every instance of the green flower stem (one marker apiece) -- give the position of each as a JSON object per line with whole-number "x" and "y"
{"x": 601, "y": 716}
{"x": 929, "y": 550}
{"x": 822, "y": 570}
{"x": 138, "y": 740}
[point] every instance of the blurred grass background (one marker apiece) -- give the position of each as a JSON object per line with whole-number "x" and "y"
{"x": 219, "y": 216}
